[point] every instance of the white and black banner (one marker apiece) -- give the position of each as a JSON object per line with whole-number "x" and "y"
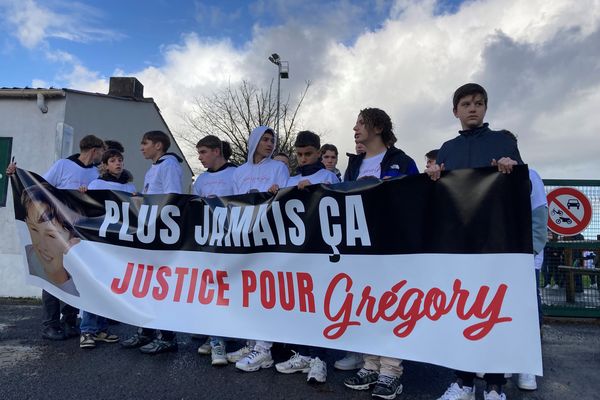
{"x": 440, "y": 272}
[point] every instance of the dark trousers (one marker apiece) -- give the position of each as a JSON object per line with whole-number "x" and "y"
{"x": 53, "y": 307}
{"x": 490, "y": 379}
{"x": 166, "y": 335}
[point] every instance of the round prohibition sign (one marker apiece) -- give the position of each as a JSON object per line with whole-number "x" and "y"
{"x": 569, "y": 211}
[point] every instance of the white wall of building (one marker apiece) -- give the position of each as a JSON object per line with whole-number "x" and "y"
{"x": 35, "y": 148}
{"x": 33, "y": 134}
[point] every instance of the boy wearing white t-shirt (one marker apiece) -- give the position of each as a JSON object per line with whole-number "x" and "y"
{"x": 213, "y": 153}
{"x": 310, "y": 171}
{"x": 310, "y": 168}
{"x": 381, "y": 160}
{"x": 164, "y": 176}
{"x": 94, "y": 328}
{"x": 259, "y": 174}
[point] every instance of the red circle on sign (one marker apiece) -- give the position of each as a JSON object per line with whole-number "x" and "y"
{"x": 561, "y": 219}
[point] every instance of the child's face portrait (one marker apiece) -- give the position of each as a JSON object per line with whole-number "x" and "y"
{"x": 265, "y": 145}
{"x": 329, "y": 159}
{"x": 150, "y": 149}
{"x": 114, "y": 165}
{"x": 49, "y": 240}
{"x": 307, "y": 155}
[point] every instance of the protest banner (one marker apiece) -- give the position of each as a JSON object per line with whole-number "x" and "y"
{"x": 440, "y": 272}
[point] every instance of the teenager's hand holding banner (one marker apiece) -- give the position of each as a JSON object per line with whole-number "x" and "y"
{"x": 440, "y": 272}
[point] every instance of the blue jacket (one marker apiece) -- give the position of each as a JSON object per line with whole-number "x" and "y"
{"x": 395, "y": 163}
{"x": 475, "y": 148}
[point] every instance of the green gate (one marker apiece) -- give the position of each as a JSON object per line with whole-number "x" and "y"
{"x": 570, "y": 275}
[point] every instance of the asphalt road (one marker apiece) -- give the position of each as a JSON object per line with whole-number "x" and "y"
{"x": 34, "y": 368}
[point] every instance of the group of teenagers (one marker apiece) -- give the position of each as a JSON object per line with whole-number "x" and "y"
{"x": 99, "y": 165}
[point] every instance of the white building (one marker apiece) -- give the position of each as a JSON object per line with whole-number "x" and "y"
{"x": 41, "y": 126}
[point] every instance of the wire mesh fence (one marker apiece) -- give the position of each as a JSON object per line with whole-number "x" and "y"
{"x": 570, "y": 274}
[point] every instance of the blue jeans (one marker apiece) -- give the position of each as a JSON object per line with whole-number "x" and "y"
{"x": 215, "y": 340}
{"x": 92, "y": 323}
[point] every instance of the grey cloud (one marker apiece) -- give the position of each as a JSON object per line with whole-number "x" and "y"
{"x": 542, "y": 92}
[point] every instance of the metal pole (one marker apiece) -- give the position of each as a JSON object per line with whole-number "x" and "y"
{"x": 278, "y": 93}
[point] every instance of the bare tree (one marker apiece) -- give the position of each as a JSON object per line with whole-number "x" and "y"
{"x": 234, "y": 112}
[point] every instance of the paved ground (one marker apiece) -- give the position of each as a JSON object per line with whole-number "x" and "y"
{"x": 33, "y": 368}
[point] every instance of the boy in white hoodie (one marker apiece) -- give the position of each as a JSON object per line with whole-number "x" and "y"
{"x": 259, "y": 174}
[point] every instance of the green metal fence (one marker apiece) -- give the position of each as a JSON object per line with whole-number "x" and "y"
{"x": 570, "y": 274}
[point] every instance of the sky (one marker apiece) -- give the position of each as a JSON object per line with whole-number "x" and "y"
{"x": 538, "y": 59}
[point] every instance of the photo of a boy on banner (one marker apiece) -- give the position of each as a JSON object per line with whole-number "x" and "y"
{"x": 51, "y": 226}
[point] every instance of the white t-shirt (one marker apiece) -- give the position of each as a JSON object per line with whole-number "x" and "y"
{"x": 164, "y": 176}
{"x": 538, "y": 193}
{"x": 321, "y": 176}
{"x": 538, "y": 260}
{"x": 371, "y": 166}
{"x": 218, "y": 183}
{"x": 70, "y": 174}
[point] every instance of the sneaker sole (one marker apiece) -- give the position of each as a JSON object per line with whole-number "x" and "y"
{"x": 234, "y": 359}
{"x": 527, "y": 387}
{"x": 366, "y": 386}
{"x": 203, "y": 351}
{"x": 248, "y": 368}
{"x": 153, "y": 352}
{"x": 87, "y": 346}
{"x": 390, "y": 396}
{"x": 315, "y": 380}
{"x": 219, "y": 362}
{"x": 291, "y": 371}
{"x": 107, "y": 340}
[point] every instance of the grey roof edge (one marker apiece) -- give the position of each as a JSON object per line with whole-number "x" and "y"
{"x": 30, "y": 92}
{"x": 53, "y": 92}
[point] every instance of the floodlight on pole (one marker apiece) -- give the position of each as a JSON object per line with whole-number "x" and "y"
{"x": 283, "y": 72}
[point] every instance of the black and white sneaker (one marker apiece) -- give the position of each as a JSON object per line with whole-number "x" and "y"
{"x": 159, "y": 345}
{"x": 86, "y": 341}
{"x": 363, "y": 380}
{"x": 387, "y": 387}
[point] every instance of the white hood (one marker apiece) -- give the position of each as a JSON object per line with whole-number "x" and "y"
{"x": 254, "y": 138}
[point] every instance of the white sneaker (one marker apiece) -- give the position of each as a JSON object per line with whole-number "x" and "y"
{"x": 255, "y": 360}
{"x": 527, "y": 382}
{"x": 350, "y": 361}
{"x": 493, "y": 395}
{"x": 237, "y": 355}
{"x": 204, "y": 349}
{"x": 296, "y": 363}
{"x": 455, "y": 392}
{"x": 218, "y": 355}
{"x": 318, "y": 371}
